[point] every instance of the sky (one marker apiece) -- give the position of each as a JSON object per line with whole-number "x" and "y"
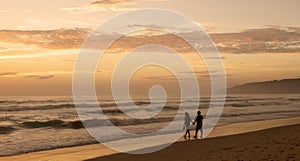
{"x": 259, "y": 40}
{"x": 219, "y": 16}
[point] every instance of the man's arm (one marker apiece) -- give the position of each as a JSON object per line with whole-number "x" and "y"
{"x": 194, "y": 121}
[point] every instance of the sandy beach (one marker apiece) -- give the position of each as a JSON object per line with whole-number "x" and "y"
{"x": 257, "y": 140}
{"x": 281, "y": 143}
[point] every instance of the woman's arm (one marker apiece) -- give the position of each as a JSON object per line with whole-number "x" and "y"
{"x": 194, "y": 121}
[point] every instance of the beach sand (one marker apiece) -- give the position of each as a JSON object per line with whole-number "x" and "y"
{"x": 281, "y": 143}
{"x": 277, "y": 139}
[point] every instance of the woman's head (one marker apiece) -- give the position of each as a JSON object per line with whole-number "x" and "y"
{"x": 187, "y": 114}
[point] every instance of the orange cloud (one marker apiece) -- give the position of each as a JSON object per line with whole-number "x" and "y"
{"x": 8, "y": 74}
{"x": 108, "y": 2}
{"x": 40, "y": 76}
{"x": 264, "y": 40}
{"x": 51, "y": 39}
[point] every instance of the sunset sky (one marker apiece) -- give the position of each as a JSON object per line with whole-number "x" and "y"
{"x": 39, "y": 41}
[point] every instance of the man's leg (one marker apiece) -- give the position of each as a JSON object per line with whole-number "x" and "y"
{"x": 201, "y": 130}
{"x": 196, "y": 134}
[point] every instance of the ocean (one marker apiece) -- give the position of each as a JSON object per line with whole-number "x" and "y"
{"x": 35, "y": 123}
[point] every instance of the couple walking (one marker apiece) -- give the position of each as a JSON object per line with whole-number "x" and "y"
{"x": 188, "y": 120}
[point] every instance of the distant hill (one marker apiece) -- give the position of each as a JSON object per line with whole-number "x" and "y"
{"x": 268, "y": 87}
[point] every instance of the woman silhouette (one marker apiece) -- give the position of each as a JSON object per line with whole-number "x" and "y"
{"x": 187, "y": 124}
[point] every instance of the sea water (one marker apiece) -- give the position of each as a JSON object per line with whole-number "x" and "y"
{"x": 30, "y": 123}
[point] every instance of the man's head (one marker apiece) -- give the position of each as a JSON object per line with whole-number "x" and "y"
{"x": 199, "y": 112}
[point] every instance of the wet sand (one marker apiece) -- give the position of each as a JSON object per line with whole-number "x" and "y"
{"x": 240, "y": 141}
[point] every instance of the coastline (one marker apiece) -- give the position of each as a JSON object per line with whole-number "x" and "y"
{"x": 97, "y": 150}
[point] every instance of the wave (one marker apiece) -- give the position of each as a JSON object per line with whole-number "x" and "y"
{"x": 248, "y": 104}
{"x": 39, "y": 124}
{"x": 137, "y": 103}
{"x": 39, "y": 107}
{"x": 71, "y": 105}
{"x": 260, "y": 113}
{"x": 92, "y": 123}
{"x": 31, "y": 101}
{"x": 294, "y": 99}
{"x": 50, "y": 106}
{"x": 6, "y": 129}
{"x": 14, "y": 105}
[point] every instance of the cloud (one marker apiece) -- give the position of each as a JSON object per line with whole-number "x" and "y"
{"x": 51, "y": 39}
{"x": 16, "y": 56}
{"x": 261, "y": 40}
{"x": 84, "y": 9}
{"x": 108, "y": 2}
{"x": 156, "y": 0}
{"x": 113, "y": 5}
{"x": 209, "y": 26}
{"x": 100, "y": 6}
{"x": 199, "y": 75}
{"x": 8, "y": 74}
{"x": 198, "y": 72}
{"x": 264, "y": 40}
{"x": 149, "y": 26}
{"x": 121, "y": 8}
{"x": 68, "y": 60}
{"x": 155, "y": 77}
{"x": 41, "y": 77}
{"x": 106, "y": 5}
{"x": 121, "y": 2}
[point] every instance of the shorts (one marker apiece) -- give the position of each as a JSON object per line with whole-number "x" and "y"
{"x": 198, "y": 127}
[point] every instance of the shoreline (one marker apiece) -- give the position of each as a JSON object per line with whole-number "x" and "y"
{"x": 97, "y": 150}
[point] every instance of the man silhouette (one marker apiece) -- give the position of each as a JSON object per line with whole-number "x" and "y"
{"x": 199, "y": 120}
